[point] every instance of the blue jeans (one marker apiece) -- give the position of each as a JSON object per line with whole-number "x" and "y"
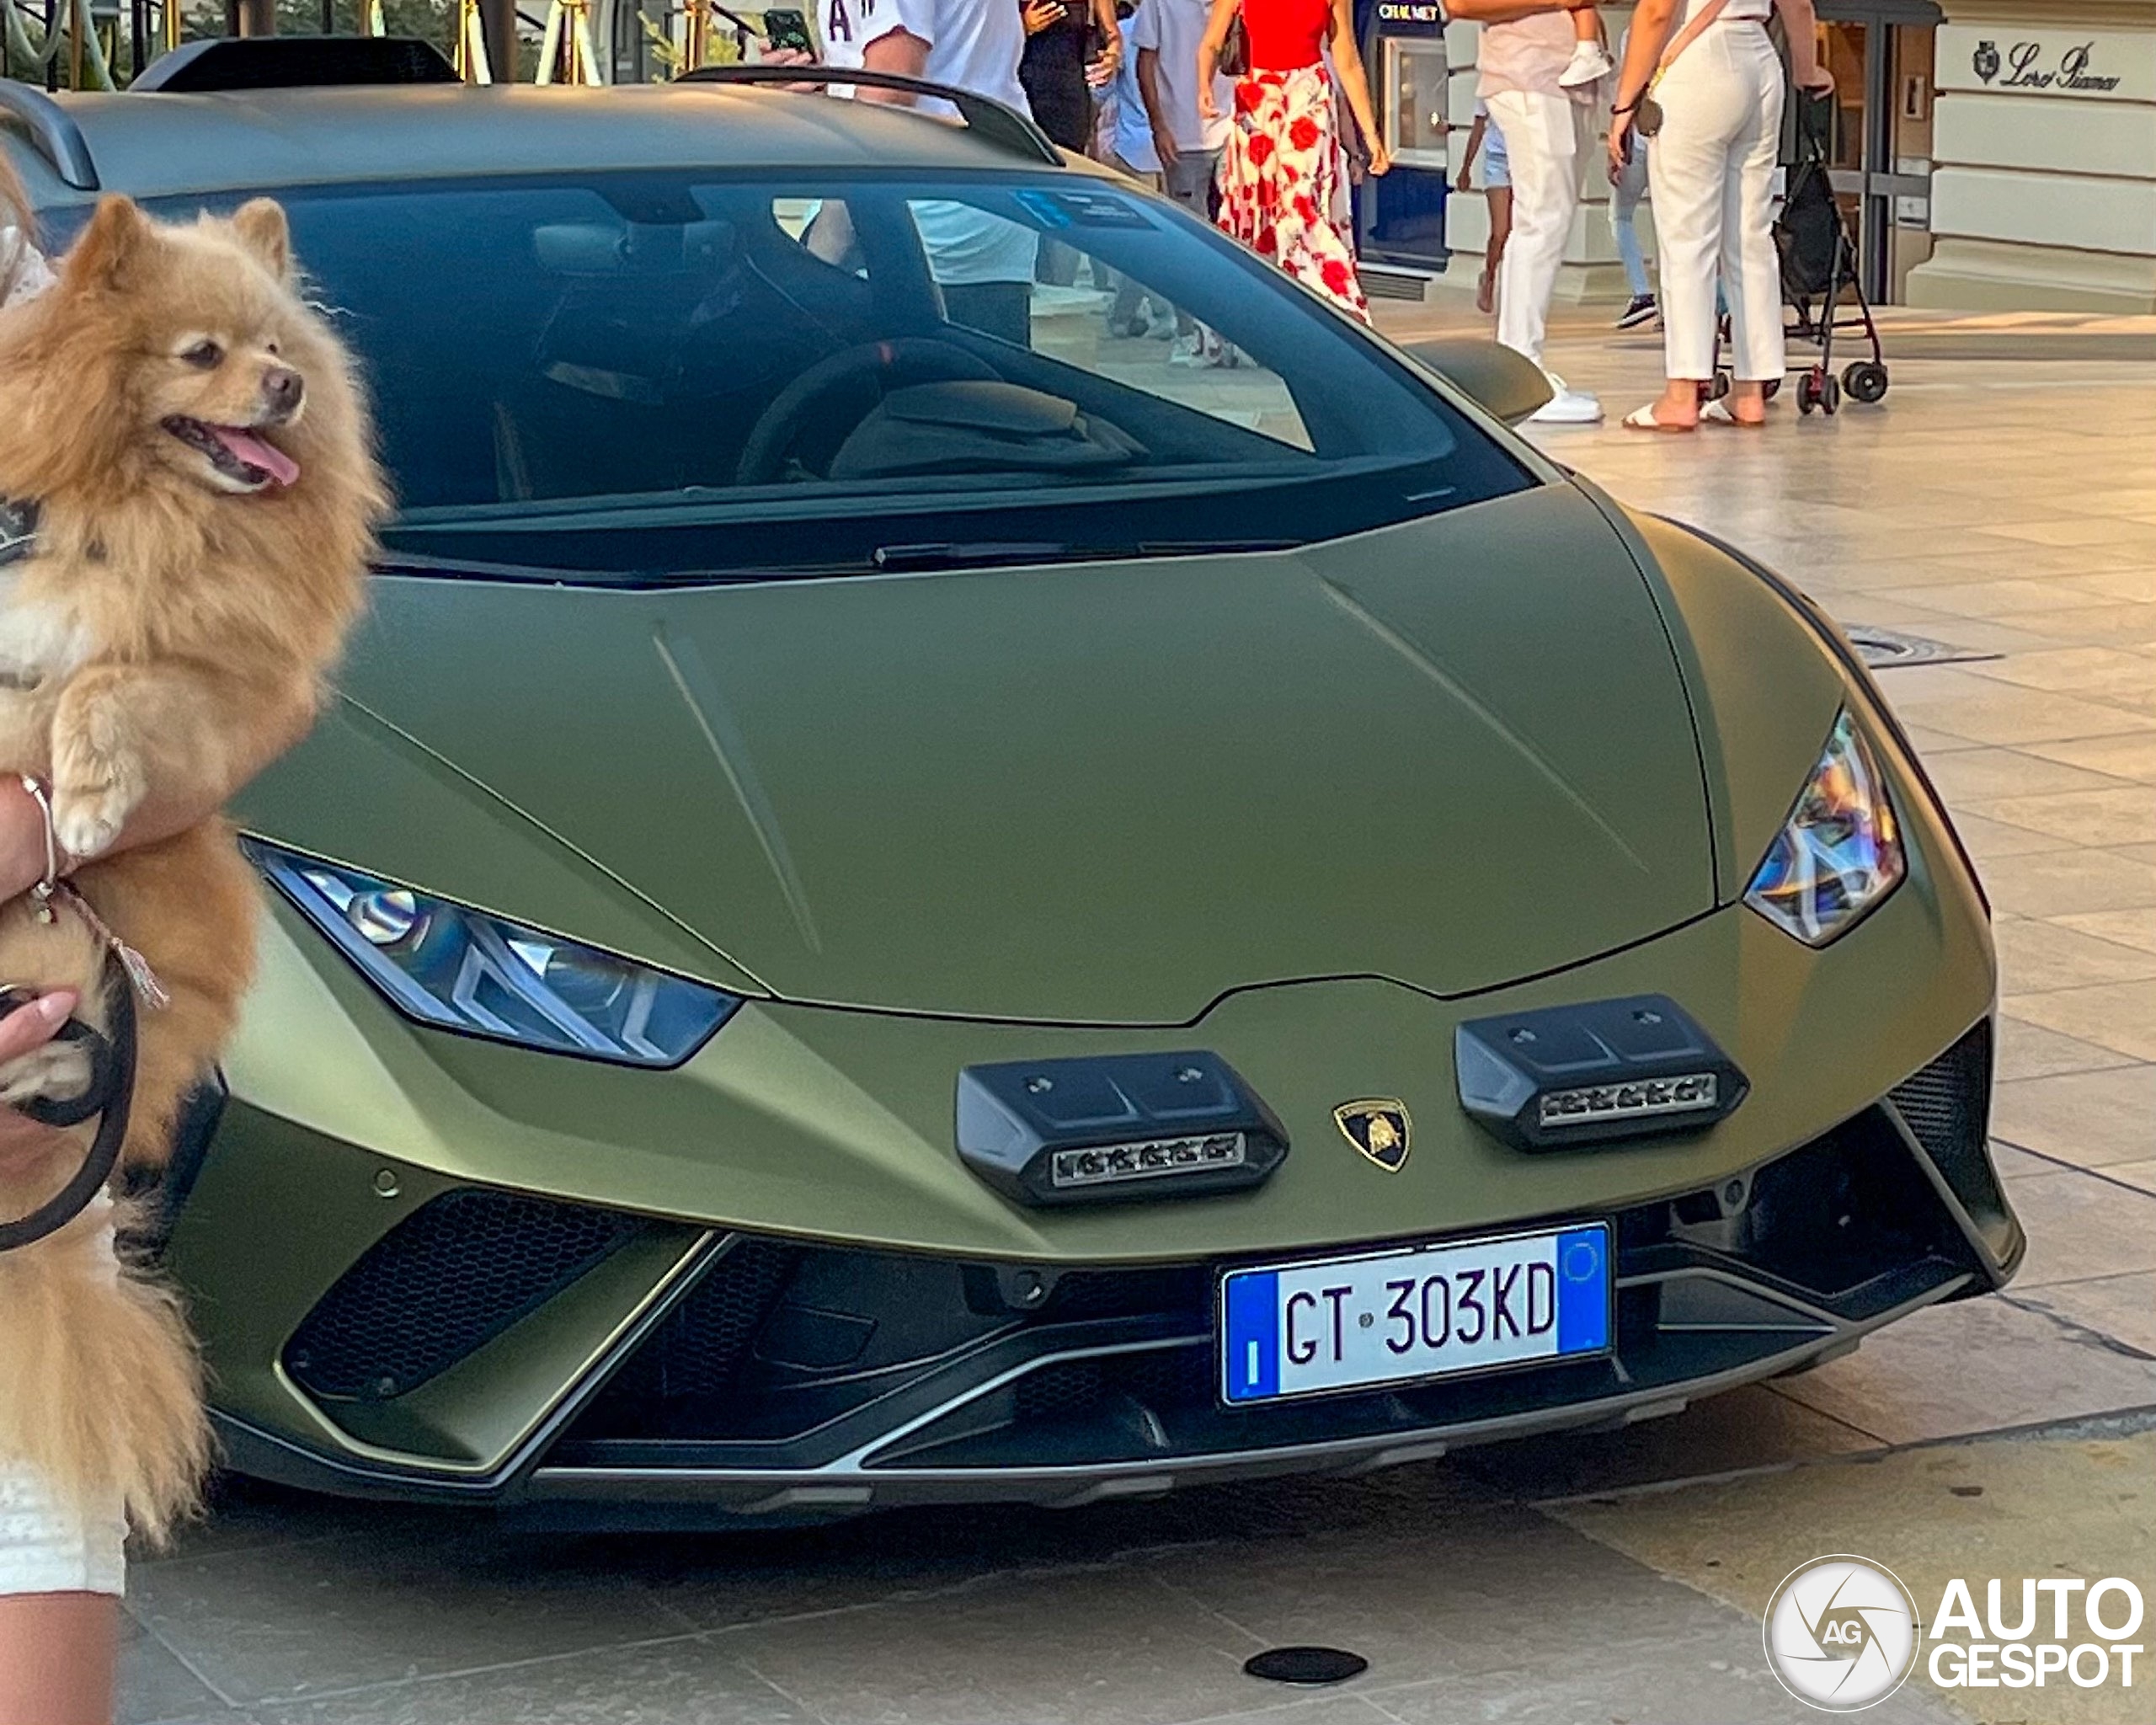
{"x": 1625, "y": 197}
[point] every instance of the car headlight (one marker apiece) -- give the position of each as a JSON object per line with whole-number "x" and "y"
{"x": 1840, "y": 852}
{"x": 462, "y": 969}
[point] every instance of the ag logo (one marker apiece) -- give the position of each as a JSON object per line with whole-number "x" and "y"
{"x": 1377, "y": 1128}
{"x": 1842, "y": 1633}
{"x": 1984, "y": 62}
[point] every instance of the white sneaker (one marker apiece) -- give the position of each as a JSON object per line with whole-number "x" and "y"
{"x": 1590, "y": 63}
{"x": 1566, "y": 407}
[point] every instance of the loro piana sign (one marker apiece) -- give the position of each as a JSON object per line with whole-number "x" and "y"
{"x": 2010, "y": 60}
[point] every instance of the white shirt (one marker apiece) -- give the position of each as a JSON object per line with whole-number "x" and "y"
{"x": 1172, "y": 28}
{"x": 1524, "y": 54}
{"x": 972, "y": 43}
{"x": 974, "y": 46}
{"x": 1133, "y": 137}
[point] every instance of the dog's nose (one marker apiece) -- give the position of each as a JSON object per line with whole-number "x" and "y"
{"x": 282, "y": 388}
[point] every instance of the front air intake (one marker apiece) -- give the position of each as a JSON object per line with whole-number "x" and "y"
{"x": 441, "y": 1285}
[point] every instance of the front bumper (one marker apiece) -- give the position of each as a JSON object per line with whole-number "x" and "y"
{"x": 768, "y": 1378}
{"x": 428, "y": 1266}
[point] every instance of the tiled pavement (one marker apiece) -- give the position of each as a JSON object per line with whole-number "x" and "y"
{"x": 2007, "y": 508}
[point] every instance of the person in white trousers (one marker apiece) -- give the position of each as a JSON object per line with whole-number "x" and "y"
{"x": 1718, "y": 82}
{"x": 1525, "y": 47}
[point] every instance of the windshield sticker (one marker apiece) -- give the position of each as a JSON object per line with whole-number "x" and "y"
{"x": 1083, "y": 209}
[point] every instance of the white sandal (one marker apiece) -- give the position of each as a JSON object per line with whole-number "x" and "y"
{"x": 1643, "y": 419}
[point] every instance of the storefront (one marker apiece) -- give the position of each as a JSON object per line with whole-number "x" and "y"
{"x": 2044, "y": 149}
{"x": 1399, "y": 219}
{"x": 1989, "y": 155}
{"x": 1877, "y": 133}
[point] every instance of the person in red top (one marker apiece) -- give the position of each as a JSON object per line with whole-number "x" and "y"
{"x": 1281, "y": 173}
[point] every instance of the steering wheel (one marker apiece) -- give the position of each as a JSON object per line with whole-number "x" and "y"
{"x": 837, "y": 392}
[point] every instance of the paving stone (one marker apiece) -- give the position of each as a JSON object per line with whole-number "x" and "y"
{"x": 2027, "y": 1050}
{"x": 1086, "y": 1647}
{"x": 689, "y": 1682}
{"x": 155, "y": 1687}
{"x": 278, "y": 1623}
{"x": 2088, "y": 1119}
{"x": 2076, "y": 1507}
{"x": 2081, "y": 1225}
{"x": 1978, "y": 1365}
{"x": 2122, "y": 1308}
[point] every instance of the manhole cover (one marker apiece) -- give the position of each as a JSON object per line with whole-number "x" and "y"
{"x": 1310, "y": 1666}
{"x": 1883, "y": 649}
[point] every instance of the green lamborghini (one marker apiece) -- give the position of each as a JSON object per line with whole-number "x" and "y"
{"x": 928, "y": 889}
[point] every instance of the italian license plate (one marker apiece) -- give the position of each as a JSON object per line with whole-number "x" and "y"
{"x": 1391, "y": 1318}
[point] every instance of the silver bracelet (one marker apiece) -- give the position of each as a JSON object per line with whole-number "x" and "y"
{"x": 43, "y": 891}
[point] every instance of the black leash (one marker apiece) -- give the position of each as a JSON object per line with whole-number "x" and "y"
{"x": 110, "y": 1092}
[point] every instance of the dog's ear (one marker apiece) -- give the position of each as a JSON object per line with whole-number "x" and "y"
{"x": 261, "y": 228}
{"x": 105, "y": 256}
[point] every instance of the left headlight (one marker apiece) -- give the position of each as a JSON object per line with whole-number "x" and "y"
{"x": 1840, "y": 852}
{"x": 462, "y": 969}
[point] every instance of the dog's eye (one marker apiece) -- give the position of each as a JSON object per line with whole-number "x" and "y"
{"x": 204, "y": 355}
{"x": 274, "y": 351}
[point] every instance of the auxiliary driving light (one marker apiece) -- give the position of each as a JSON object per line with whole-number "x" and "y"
{"x": 1121, "y": 1126}
{"x": 1586, "y": 1075}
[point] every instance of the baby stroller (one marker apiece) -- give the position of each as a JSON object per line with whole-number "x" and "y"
{"x": 1820, "y": 286}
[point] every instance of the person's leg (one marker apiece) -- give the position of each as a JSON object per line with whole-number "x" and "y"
{"x": 1500, "y": 199}
{"x": 1540, "y": 142}
{"x": 58, "y": 1655}
{"x": 1624, "y": 213}
{"x": 1750, "y": 262}
{"x": 1685, "y": 168}
{"x": 1189, "y": 182}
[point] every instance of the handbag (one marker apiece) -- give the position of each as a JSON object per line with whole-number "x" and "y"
{"x": 1646, "y": 112}
{"x": 1234, "y": 48}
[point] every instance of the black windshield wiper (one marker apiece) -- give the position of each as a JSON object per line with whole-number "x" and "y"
{"x": 973, "y": 553}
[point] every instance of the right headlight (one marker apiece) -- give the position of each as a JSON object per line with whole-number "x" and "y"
{"x": 1839, "y": 853}
{"x": 461, "y": 969}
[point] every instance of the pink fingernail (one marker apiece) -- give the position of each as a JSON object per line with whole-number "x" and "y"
{"x": 55, "y": 1008}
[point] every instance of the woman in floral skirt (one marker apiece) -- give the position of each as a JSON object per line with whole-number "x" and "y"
{"x": 1283, "y": 167}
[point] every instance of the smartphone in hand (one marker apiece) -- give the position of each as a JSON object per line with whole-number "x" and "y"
{"x": 786, "y": 27}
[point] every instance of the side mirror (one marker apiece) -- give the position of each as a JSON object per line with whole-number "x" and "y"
{"x": 1504, "y": 383}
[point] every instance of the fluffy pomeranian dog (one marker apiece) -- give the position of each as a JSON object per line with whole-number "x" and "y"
{"x": 201, "y": 460}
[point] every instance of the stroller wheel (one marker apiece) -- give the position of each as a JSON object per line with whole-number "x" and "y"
{"x": 1865, "y": 381}
{"x": 1807, "y": 391}
{"x": 1830, "y": 394}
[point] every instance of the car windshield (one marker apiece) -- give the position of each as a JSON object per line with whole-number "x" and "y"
{"x": 661, "y": 374}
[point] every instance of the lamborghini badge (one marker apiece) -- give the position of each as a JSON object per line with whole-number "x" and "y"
{"x": 1377, "y": 1128}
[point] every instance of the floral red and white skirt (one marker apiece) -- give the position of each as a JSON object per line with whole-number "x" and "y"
{"x": 1282, "y": 176}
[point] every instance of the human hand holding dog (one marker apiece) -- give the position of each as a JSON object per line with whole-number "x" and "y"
{"x": 23, "y": 1142}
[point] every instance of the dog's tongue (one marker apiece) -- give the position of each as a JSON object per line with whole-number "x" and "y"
{"x": 281, "y": 467}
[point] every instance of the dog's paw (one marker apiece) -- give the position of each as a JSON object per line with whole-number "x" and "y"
{"x": 85, "y": 822}
{"x": 59, "y": 1071}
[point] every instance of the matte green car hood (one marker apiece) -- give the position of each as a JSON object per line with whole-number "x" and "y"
{"x": 1454, "y": 753}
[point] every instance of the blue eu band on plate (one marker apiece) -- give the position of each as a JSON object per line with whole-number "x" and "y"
{"x": 1391, "y": 1317}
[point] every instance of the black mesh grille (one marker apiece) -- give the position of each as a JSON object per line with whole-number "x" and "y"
{"x": 1182, "y": 1290}
{"x": 448, "y": 1279}
{"x": 1162, "y": 1379}
{"x": 1947, "y": 1105}
{"x": 699, "y": 1349}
